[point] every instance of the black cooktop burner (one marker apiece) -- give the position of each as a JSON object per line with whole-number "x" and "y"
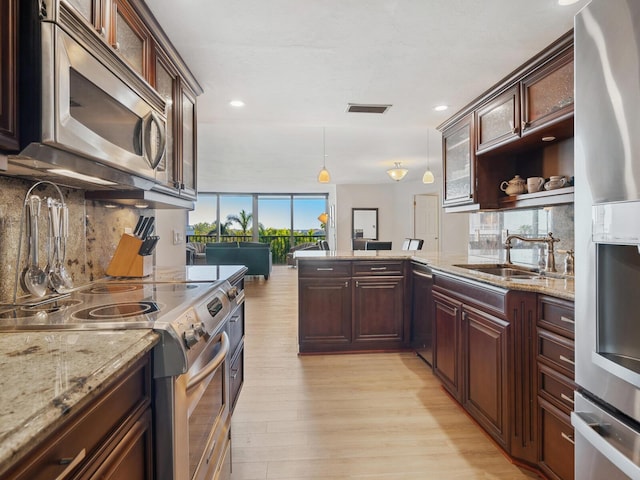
{"x": 116, "y": 310}
{"x": 110, "y": 289}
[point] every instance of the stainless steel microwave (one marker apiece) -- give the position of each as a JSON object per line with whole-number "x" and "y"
{"x": 88, "y": 120}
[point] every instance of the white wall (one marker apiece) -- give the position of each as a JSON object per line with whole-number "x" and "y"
{"x": 167, "y": 253}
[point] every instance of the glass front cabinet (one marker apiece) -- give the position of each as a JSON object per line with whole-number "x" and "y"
{"x": 459, "y": 160}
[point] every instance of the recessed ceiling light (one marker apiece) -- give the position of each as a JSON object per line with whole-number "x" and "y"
{"x": 548, "y": 139}
{"x": 236, "y": 103}
{"x": 441, "y": 108}
{"x": 567, "y": 2}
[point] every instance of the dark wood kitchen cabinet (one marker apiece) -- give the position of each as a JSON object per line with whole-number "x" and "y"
{"x": 458, "y": 156}
{"x": 555, "y": 357}
{"x": 8, "y": 75}
{"x": 447, "y": 343}
{"x": 109, "y": 438}
{"x": 506, "y": 126}
{"x": 479, "y": 332}
{"x": 498, "y": 121}
{"x": 352, "y": 306}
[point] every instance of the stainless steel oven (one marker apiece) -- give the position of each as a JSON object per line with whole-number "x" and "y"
{"x": 607, "y": 240}
{"x": 192, "y": 417}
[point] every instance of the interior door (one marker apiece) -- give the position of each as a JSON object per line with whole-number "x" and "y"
{"x": 426, "y": 221}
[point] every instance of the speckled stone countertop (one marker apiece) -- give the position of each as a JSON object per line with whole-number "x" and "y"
{"x": 44, "y": 375}
{"x": 561, "y": 287}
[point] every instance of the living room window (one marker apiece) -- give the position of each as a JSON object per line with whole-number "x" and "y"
{"x": 281, "y": 220}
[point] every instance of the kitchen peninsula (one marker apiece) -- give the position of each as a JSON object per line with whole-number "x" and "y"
{"x": 502, "y": 346}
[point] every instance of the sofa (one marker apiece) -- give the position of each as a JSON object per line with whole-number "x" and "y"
{"x": 255, "y": 256}
{"x": 195, "y": 253}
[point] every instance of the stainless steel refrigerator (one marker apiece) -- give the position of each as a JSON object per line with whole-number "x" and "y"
{"x": 607, "y": 240}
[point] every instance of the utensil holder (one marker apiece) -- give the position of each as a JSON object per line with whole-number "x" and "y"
{"x": 126, "y": 262}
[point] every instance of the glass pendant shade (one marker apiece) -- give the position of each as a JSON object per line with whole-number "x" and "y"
{"x": 397, "y": 173}
{"x": 428, "y": 177}
{"x": 323, "y": 176}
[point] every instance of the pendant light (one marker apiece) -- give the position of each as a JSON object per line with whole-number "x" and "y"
{"x": 323, "y": 176}
{"x": 428, "y": 175}
{"x": 397, "y": 173}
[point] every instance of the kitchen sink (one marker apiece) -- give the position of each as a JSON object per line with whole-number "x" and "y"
{"x": 502, "y": 270}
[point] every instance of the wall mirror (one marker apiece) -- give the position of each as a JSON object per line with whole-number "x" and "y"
{"x": 364, "y": 223}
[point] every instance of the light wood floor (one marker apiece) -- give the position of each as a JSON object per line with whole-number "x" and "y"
{"x": 329, "y": 417}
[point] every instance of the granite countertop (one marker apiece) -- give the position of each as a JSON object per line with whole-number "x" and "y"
{"x": 47, "y": 374}
{"x": 561, "y": 287}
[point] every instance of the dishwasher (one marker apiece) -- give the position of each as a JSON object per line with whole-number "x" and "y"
{"x": 422, "y": 311}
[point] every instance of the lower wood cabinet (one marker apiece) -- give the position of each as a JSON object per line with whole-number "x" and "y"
{"x": 352, "y": 306}
{"x": 555, "y": 363}
{"x": 110, "y": 438}
{"x": 481, "y": 336}
{"x": 486, "y": 362}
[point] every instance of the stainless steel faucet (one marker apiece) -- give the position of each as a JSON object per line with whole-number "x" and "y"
{"x": 548, "y": 240}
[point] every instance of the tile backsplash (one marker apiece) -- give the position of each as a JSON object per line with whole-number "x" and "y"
{"x": 94, "y": 232}
{"x": 488, "y": 230}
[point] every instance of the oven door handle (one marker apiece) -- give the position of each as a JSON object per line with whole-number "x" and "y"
{"x": 213, "y": 365}
{"x": 585, "y": 427}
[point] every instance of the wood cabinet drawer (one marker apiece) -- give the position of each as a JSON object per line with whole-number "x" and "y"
{"x": 235, "y": 328}
{"x": 556, "y": 457}
{"x": 556, "y": 388}
{"x": 90, "y": 434}
{"x": 236, "y": 375}
{"x": 556, "y": 351}
{"x": 555, "y": 313}
{"x": 324, "y": 269}
{"x": 370, "y": 268}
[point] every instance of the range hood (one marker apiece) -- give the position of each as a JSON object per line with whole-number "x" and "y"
{"x": 140, "y": 199}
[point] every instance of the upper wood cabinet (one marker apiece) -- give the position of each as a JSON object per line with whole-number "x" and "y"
{"x": 8, "y": 75}
{"x": 187, "y": 163}
{"x": 130, "y": 38}
{"x": 510, "y": 128}
{"x": 547, "y": 94}
{"x": 498, "y": 121}
{"x": 459, "y": 162}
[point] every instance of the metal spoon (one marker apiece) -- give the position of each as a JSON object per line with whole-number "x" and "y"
{"x": 35, "y": 279}
{"x": 56, "y": 282}
{"x": 63, "y": 276}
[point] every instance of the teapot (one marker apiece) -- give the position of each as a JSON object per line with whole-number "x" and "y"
{"x": 515, "y": 186}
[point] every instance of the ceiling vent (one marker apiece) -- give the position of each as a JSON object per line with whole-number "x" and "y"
{"x": 367, "y": 108}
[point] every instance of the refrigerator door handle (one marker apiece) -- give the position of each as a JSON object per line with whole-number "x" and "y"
{"x": 589, "y": 429}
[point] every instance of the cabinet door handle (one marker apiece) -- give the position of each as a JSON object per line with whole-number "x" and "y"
{"x": 566, "y": 359}
{"x": 357, "y": 284}
{"x": 324, "y": 269}
{"x": 567, "y": 398}
{"x": 567, "y": 320}
{"x": 375, "y": 269}
{"x": 71, "y": 464}
{"x": 567, "y": 438}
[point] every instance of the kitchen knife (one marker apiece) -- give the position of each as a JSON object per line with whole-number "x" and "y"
{"x": 148, "y": 245}
{"x": 148, "y": 228}
{"x": 145, "y": 220}
{"x": 136, "y": 230}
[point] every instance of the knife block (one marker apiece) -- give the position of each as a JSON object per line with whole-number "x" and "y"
{"x": 126, "y": 262}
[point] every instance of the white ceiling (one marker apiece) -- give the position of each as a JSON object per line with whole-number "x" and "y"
{"x": 298, "y": 63}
